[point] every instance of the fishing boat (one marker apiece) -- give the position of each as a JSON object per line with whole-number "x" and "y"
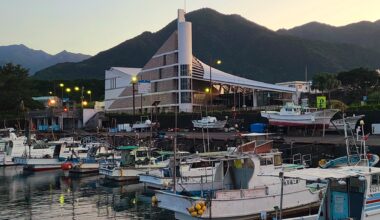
{"x": 134, "y": 161}
{"x": 193, "y": 171}
{"x": 60, "y": 149}
{"x": 245, "y": 191}
{"x": 196, "y": 172}
{"x": 77, "y": 166}
{"x": 295, "y": 115}
{"x": 12, "y": 145}
{"x": 350, "y": 122}
{"x": 353, "y": 192}
{"x": 359, "y": 154}
{"x": 209, "y": 122}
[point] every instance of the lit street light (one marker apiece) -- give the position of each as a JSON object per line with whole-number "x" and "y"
{"x": 217, "y": 62}
{"x": 76, "y": 88}
{"x": 61, "y": 85}
{"x": 134, "y": 81}
{"x": 84, "y": 103}
{"x": 89, "y": 93}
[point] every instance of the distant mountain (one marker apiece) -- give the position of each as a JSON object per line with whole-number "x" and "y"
{"x": 365, "y": 34}
{"x": 247, "y": 49}
{"x": 36, "y": 60}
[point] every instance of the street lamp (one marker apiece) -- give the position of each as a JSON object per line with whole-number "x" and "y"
{"x": 134, "y": 81}
{"x": 61, "y": 85}
{"x": 84, "y": 103}
{"x": 89, "y": 93}
{"x": 217, "y": 62}
{"x": 76, "y": 88}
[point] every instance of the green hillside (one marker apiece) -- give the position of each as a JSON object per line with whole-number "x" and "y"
{"x": 246, "y": 49}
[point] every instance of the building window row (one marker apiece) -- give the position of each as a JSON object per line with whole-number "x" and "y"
{"x": 185, "y": 83}
{"x": 184, "y": 70}
{"x": 185, "y": 97}
{"x": 112, "y": 83}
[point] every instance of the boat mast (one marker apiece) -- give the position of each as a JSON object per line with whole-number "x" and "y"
{"x": 346, "y": 139}
{"x": 175, "y": 152}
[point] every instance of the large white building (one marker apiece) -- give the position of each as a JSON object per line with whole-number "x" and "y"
{"x": 179, "y": 80}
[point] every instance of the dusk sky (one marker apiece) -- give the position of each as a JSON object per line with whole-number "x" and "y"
{"x": 91, "y": 26}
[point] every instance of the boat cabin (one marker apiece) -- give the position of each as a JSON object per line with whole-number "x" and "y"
{"x": 352, "y": 191}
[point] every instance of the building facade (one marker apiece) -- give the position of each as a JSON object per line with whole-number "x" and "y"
{"x": 178, "y": 80}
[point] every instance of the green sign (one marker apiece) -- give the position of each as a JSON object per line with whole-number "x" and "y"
{"x": 321, "y": 101}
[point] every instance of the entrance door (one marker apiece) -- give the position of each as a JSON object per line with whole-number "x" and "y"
{"x": 339, "y": 205}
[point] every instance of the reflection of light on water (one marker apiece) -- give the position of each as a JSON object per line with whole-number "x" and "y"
{"x": 62, "y": 199}
{"x": 49, "y": 195}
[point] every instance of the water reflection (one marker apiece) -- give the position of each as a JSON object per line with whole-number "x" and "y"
{"x": 48, "y": 195}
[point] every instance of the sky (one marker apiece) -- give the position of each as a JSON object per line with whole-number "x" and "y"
{"x": 91, "y": 26}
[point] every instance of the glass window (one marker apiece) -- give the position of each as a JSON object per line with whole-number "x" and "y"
{"x": 185, "y": 97}
{"x": 164, "y": 60}
{"x": 160, "y": 73}
{"x": 185, "y": 70}
{"x": 375, "y": 179}
{"x": 277, "y": 160}
{"x": 186, "y": 84}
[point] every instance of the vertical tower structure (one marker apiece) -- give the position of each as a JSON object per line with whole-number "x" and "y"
{"x": 185, "y": 58}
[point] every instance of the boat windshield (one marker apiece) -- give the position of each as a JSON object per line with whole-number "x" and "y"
{"x": 141, "y": 153}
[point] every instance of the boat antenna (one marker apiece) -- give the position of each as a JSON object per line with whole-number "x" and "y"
{"x": 363, "y": 143}
{"x": 346, "y": 139}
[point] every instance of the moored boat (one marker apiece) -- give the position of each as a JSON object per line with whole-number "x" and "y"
{"x": 353, "y": 192}
{"x": 295, "y": 115}
{"x": 245, "y": 191}
{"x": 209, "y": 122}
{"x": 134, "y": 161}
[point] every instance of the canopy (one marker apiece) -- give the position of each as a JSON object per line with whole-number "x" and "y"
{"x": 127, "y": 147}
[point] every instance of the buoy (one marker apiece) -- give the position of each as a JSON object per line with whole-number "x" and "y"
{"x": 191, "y": 209}
{"x": 200, "y": 212}
{"x": 204, "y": 208}
{"x": 202, "y": 203}
{"x": 198, "y": 207}
{"x": 193, "y": 214}
{"x": 66, "y": 166}
{"x": 154, "y": 199}
{"x": 322, "y": 162}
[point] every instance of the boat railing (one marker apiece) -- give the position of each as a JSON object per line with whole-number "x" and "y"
{"x": 300, "y": 159}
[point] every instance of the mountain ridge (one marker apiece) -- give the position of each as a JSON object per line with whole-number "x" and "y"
{"x": 35, "y": 60}
{"x": 246, "y": 48}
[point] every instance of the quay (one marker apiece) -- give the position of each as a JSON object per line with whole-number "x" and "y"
{"x": 328, "y": 139}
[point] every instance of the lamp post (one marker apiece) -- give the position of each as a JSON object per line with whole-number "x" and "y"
{"x": 89, "y": 92}
{"x": 134, "y": 81}
{"x": 218, "y": 62}
{"x": 207, "y": 91}
{"x": 61, "y": 85}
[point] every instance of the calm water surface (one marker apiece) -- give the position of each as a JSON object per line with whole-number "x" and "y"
{"x": 51, "y": 195}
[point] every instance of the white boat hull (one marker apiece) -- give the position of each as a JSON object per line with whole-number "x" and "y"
{"x": 241, "y": 204}
{"x": 216, "y": 125}
{"x": 40, "y": 164}
{"x": 318, "y": 118}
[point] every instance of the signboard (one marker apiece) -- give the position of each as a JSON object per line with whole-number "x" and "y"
{"x": 321, "y": 101}
{"x": 143, "y": 87}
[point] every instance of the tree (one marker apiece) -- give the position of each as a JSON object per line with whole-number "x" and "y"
{"x": 359, "y": 81}
{"x": 325, "y": 82}
{"x": 15, "y": 87}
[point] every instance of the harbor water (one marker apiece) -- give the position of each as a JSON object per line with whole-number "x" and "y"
{"x": 52, "y": 195}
